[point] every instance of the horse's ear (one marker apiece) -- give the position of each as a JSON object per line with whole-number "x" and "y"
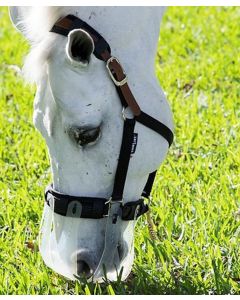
{"x": 79, "y": 47}
{"x": 17, "y": 15}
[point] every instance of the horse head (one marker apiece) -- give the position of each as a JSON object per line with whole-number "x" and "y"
{"x": 78, "y": 111}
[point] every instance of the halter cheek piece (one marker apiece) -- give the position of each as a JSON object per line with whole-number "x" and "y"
{"x": 96, "y": 208}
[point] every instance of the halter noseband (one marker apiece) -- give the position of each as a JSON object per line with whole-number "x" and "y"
{"x": 96, "y": 208}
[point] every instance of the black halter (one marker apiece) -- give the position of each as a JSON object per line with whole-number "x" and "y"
{"x": 96, "y": 208}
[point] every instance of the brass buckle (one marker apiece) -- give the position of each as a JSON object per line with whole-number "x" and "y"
{"x": 116, "y": 82}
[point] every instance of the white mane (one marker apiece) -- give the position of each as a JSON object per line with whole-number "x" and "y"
{"x": 35, "y": 27}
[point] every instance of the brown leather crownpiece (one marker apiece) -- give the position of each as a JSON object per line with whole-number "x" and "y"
{"x": 64, "y": 23}
{"x": 119, "y": 75}
{"x": 129, "y": 98}
{"x": 105, "y": 55}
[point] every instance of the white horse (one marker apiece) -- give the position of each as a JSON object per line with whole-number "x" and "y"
{"x": 78, "y": 112}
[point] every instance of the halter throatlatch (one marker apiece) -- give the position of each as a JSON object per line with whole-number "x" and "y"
{"x": 113, "y": 208}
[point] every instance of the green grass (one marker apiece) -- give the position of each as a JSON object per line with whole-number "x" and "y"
{"x": 196, "y": 194}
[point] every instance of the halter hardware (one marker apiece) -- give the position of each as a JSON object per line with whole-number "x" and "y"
{"x": 124, "y": 116}
{"x": 111, "y": 201}
{"x": 112, "y": 72}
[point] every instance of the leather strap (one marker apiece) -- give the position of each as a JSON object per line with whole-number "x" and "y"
{"x": 70, "y": 22}
{"x": 118, "y": 73}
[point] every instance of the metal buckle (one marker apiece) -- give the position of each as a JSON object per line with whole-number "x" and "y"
{"x": 116, "y": 82}
{"x": 127, "y": 113}
{"x": 110, "y": 202}
{"x": 115, "y": 201}
{"x": 123, "y": 114}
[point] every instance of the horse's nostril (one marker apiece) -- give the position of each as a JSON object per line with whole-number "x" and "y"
{"x": 83, "y": 268}
{"x": 84, "y": 136}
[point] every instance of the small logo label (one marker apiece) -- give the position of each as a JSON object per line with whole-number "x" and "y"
{"x": 134, "y": 143}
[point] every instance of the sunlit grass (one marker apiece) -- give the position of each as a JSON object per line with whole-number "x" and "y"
{"x": 196, "y": 195}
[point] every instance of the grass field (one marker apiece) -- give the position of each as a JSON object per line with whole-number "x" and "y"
{"x": 196, "y": 194}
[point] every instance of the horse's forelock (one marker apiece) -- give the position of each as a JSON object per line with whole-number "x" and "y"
{"x": 35, "y": 27}
{"x": 39, "y": 21}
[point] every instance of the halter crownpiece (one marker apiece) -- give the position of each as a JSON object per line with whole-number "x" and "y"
{"x": 114, "y": 208}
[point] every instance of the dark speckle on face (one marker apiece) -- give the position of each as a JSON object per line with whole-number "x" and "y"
{"x": 92, "y": 15}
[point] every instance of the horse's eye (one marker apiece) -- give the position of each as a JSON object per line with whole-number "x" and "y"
{"x": 79, "y": 47}
{"x": 83, "y": 136}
